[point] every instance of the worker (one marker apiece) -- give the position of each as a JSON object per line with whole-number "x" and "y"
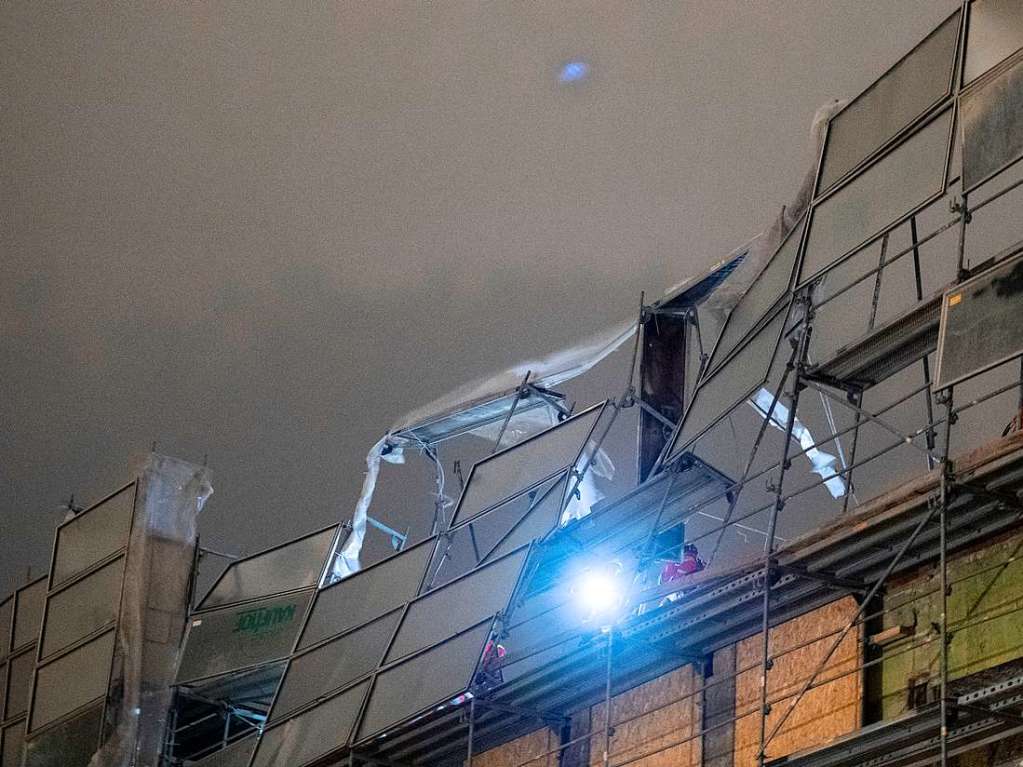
{"x": 673, "y": 571}
{"x": 490, "y": 671}
{"x": 690, "y": 563}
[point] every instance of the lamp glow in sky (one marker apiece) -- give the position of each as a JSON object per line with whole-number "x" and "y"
{"x": 574, "y": 71}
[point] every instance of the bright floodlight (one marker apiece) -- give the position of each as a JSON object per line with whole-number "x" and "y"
{"x": 599, "y": 592}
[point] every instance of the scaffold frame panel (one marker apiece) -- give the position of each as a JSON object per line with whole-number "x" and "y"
{"x": 93, "y": 535}
{"x": 290, "y": 566}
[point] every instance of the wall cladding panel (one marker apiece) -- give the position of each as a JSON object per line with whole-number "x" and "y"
{"x": 824, "y": 713}
{"x": 530, "y": 747}
{"x": 658, "y": 719}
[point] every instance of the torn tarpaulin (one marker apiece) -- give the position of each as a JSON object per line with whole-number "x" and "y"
{"x": 556, "y": 368}
{"x": 760, "y": 249}
{"x": 346, "y": 561}
{"x": 822, "y": 463}
{"x": 154, "y": 604}
{"x": 566, "y": 364}
{"x": 546, "y": 372}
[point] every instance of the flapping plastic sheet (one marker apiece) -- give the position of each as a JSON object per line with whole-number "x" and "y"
{"x": 550, "y": 371}
{"x": 153, "y": 606}
{"x": 347, "y": 560}
{"x": 821, "y": 462}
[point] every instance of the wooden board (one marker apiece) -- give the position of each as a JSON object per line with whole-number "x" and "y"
{"x": 718, "y": 741}
{"x": 657, "y": 721}
{"x": 825, "y": 712}
{"x": 530, "y": 748}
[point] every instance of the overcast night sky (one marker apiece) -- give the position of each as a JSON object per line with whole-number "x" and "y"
{"x": 263, "y": 231}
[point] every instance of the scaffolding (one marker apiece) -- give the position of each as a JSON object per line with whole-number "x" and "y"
{"x": 836, "y": 431}
{"x": 943, "y": 153}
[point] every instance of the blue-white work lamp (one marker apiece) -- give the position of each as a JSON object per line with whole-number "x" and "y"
{"x": 600, "y": 593}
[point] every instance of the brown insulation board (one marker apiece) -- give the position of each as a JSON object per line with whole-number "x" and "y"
{"x": 526, "y": 748}
{"x": 824, "y": 713}
{"x": 648, "y": 722}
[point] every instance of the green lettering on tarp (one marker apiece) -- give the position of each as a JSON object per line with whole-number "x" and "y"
{"x": 263, "y": 619}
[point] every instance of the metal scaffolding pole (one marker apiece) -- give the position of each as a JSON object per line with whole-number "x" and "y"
{"x": 946, "y": 481}
{"x": 472, "y": 728}
{"x": 733, "y": 496}
{"x": 579, "y": 474}
{"x": 903, "y": 438}
{"x": 918, "y": 280}
{"x": 606, "y": 756}
{"x": 520, "y": 393}
{"x": 796, "y": 368}
{"x": 854, "y": 621}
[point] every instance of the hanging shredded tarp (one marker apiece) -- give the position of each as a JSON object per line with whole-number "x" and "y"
{"x": 760, "y": 248}
{"x": 546, "y": 372}
{"x": 163, "y": 537}
{"x": 821, "y": 463}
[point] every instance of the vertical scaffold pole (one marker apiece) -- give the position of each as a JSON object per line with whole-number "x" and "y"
{"x": 964, "y": 220}
{"x": 172, "y": 726}
{"x": 795, "y": 368}
{"x": 946, "y": 480}
{"x": 472, "y": 731}
{"x": 606, "y": 755}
